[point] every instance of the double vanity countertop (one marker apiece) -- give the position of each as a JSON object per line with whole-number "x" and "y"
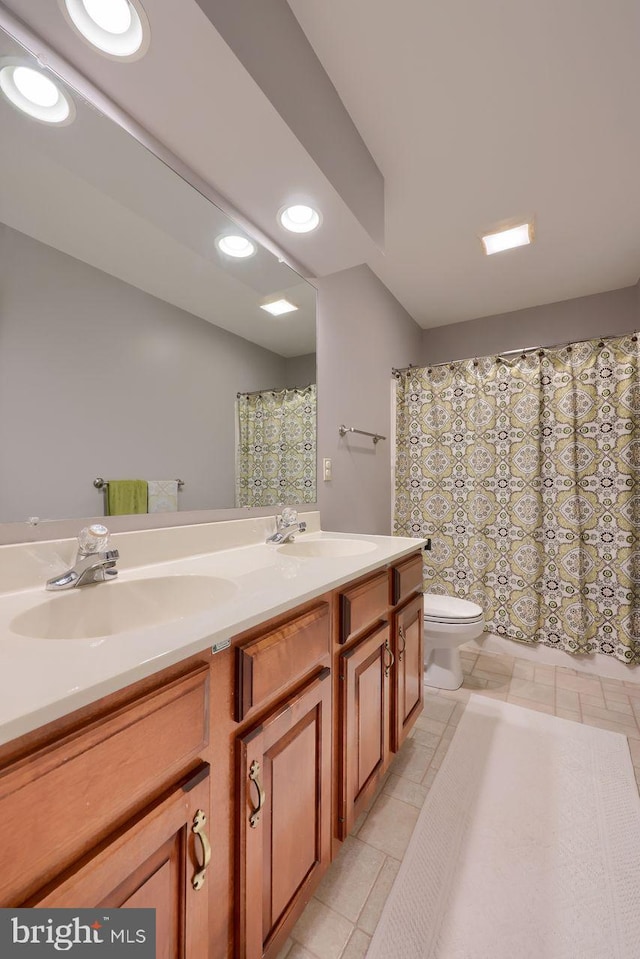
{"x": 61, "y": 651}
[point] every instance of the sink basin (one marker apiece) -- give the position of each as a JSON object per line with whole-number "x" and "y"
{"x": 327, "y": 548}
{"x": 106, "y": 609}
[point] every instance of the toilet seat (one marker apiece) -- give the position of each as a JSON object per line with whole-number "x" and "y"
{"x": 450, "y": 609}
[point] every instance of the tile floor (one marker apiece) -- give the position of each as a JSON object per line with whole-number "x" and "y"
{"x": 341, "y": 918}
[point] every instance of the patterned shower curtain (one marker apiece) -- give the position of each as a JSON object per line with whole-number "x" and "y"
{"x": 525, "y": 472}
{"x": 276, "y": 455}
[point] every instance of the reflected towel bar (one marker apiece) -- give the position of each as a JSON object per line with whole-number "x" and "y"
{"x": 343, "y": 430}
{"x": 100, "y": 483}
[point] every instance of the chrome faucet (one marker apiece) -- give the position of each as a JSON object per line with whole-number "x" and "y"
{"x": 95, "y": 562}
{"x": 286, "y": 526}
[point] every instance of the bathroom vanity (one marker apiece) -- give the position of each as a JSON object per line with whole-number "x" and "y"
{"x": 214, "y": 784}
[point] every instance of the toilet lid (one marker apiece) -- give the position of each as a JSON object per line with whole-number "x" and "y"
{"x": 450, "y": 609}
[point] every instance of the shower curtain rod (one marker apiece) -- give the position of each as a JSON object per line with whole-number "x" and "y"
{"x": 397, "y": 371}
{"x": 286, "y": 389}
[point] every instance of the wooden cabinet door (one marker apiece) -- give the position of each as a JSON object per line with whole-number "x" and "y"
{"x": 365, "y": 722}
{"x": 156, "y": 862}
{"x": 408, "y": 687}
{"x": 284, "y": 803}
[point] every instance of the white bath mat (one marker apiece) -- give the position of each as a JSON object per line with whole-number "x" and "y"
{"x": 528, "y": 846}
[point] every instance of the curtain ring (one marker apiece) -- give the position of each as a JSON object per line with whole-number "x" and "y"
{"x": 601, "y": 344}
{"x": 524, "y": 355}
{"x": 475, "y": 362}
{"x": 429, "y": 370}
{"x": 498, "y": 359}
{"x": 540, "y": 352}
{"x": 451, "y": 367}
{"x": 634, "y": 338}
{"x": 569, "y": 349}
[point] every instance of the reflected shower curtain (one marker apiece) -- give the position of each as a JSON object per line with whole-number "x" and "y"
{"x": 276, "y": 455}
{"x": 525, "y": 473}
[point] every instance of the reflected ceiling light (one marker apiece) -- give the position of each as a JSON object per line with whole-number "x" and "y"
{"x": 35, "y": 93}
{"x": 238, "y": 246}
{"x": 299, "y": 218}
{"x": 278, "y": 307}
{"x": 520, "y": 235}
{"x": 118, "y": 28}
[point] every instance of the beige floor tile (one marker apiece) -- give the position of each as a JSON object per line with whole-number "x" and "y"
{"x": 440, "y": 753}
{"x": 322, "y": 931}
{"x": 438, "y": 709}
{"x": 634, "y": 749}
{"x": 497, "y": 679}
{"x": 474, "y": 682}
{"x": 494, "y": 663}
{"x": 618, "y": 706}
{"x": 357, "y": 946}
{"x": 457, "y": 714}
{"x": 285, "y": 949}
{"x": 405, "y": 790}
{"x": 429, "y": 777}
{"x": 496, "y": 691}
{"x": 601, "y": 723}
{"x": 545, "y": 675}
{"x": 535, "y": 692}
{"x": 568, "y": 714}
{"x": 425, "y": 737}
{"x": 528, "y": 704}
{"x": 389, "y": 826}
{"x": 567, "y": 699}
{"x": 566, "y": 671}
{"x": 524, "y": 670}
{"x": 588, "y": 701}
{"x": 580, "y": 684}
{"x": 457, "y": 695}
{"x": 611, "y": 715}
{"x": 432, "y": 725}
{"x": 375, "y": 903}
{"x": 359, "y": 821}
{"x": 636, "y": 770}
{"x": 299, "y": 952}
{"x": 347, "y": 884}
{"x": 412, "y": 761}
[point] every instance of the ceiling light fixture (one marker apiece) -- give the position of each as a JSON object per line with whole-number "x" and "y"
{"x": 238, "y": 246}
{"x": 118, "y": 28}
{"x": 35, "y": 93}
{"x": 508, "y": 239}
{"x": 278, "y": 307}
{"x": 299, "y": 218}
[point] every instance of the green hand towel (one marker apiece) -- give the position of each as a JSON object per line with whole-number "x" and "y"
{"x": 126, "y": 496}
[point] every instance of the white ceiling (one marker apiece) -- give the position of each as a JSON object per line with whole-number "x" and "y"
{"x": 478, "y": 112}
{"x": 474, "y": 113}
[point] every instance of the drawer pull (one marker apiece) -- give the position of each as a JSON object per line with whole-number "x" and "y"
{"x": 402, "y": 648}
{"x": 254, "y": 774}
{"x": 392, "y": 660}
{"x": 199, "y": 822}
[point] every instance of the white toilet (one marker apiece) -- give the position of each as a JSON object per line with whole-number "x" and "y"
{"x": 448, "y": 623}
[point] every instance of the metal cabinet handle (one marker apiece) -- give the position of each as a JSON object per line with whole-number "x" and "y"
{"x": 254, "y": 773}
{"x": 401, "y": 636}
{"x": 199, "y": 822}
{"x": 393, "y": 658}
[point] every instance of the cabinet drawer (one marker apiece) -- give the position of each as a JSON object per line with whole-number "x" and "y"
{"x": 63, "y": 799}
{"x": 406, "y": 578}
{"x": 278, "y": 658}
{"x": 363, "y": 604}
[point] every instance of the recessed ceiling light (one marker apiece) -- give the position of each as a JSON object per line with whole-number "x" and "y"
{"x": 238, "y": 246}
{"x": 35, "y": 93}
{"x": 118, "y": 28}
{"x": 278, "y": 307}
{"x": 299, "y": 218}
{"x": 501, "y": 240}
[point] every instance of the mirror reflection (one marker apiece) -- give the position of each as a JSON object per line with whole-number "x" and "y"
{"x": 132, "y": 347}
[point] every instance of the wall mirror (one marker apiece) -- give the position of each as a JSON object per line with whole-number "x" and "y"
{"x": 127, "y": 335}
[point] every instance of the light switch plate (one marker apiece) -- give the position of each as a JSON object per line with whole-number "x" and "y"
{"x": 326, "y": 469}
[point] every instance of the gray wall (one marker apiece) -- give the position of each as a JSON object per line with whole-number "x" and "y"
{"x": 617, "y": 311}
{"x": 300, "y": 370}
{"x": 100, "y": 379}
{"x": 362, "y": 332}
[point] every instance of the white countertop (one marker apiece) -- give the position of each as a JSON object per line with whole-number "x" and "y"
{"x": 43, "y": 679}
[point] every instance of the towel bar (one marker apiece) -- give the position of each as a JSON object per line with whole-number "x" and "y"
{"x": 343, "y": 430}
{"x": 100, "y": 483}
